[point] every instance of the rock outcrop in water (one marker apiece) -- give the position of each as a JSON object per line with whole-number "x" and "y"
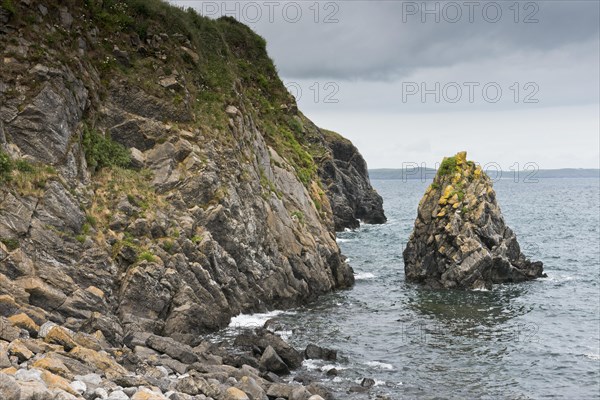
{"x": 460, "y": 239}
{"x": 157, "y": 178}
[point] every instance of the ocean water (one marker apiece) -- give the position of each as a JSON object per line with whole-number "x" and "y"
{"x": 536, "y": 340}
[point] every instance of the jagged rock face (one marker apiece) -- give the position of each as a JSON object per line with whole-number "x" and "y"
{"x": 346, "y": 176}
{"x": 460, "y": 239}
{"x": 211, "y": 222}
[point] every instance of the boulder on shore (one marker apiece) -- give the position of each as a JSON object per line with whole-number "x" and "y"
{"x": 460, "y": 239}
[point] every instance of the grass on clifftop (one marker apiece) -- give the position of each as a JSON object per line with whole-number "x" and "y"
{"x": 287, "y": 143}
{"x": 219, "y": 62}
{"x": 448, "y": 166}
{"x": 233, "y": 68}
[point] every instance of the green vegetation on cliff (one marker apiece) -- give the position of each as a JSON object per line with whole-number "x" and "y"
{"x": 25, "y": 177}
{"x": 6, "y": 166}
{"x": 212, "y": 63}
{"x": 155, "y": 155}
{"x": 448, "y": 166}
{"x": 228, "y": 65}
{"x": 101, "y": 151}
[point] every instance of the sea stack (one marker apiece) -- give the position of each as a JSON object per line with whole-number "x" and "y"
{"x": 460, "y": 239}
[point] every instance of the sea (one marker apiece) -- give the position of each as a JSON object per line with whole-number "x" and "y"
{"x": 533, "y": 340}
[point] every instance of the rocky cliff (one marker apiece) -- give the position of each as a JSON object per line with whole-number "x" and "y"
{"x": 346, "y": 177}
{"x": 156, "y": 174}
{"x": 460, "y": 239}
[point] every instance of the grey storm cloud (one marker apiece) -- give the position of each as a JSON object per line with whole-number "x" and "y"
{"x": 363, "y": 54}
{"x": 383, "y": 40}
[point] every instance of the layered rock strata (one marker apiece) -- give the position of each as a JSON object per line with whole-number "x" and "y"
{"x": 460, "y": 239}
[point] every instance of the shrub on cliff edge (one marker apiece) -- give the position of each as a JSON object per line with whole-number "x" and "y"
{"x": 6, "y": 166}
{"x": 101, "y": 151}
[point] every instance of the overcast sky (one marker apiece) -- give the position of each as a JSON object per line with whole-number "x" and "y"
{"x": 415, "y": 81}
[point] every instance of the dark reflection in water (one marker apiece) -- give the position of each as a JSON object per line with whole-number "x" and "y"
{"x": 471, "y": 313}
{"x": 452, "y": 306}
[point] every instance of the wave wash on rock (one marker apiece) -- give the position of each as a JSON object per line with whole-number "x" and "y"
{"x": 164, "y": 179}
{"x": 460, "y": 239}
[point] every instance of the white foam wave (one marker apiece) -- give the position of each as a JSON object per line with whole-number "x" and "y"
{"x": 364, "y": 276}
{"x": 311, "y": 365}
{"x": 377, "y": 382}
{"x": 380, "y": 365}
{"x": 285, "y": 335}
{"x": 559, "y": 278}
{"x": 327, "y": 367}
{"x": 253, "y": 320}
{"x": 314, "y": 365}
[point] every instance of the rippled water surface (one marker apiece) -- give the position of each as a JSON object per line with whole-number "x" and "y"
{"x": 529, "y": 341}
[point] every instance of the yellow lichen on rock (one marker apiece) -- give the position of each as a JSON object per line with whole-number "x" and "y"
{"x": 24, "y": 322}
{"x": 18, "y": 349}
{"x": 56, "y": 382}
{"x": 453, "y": 199}
{"x": 146, "y": 394}
{"x": 236, "y": 394}
{"x": 456, "y": 178}
{"x": 9, "y": 371}
{"x": 447, "y": 190}
{"x": 53, "y": 365}
{"x": 58, "y": 335}
{"x": 461, "y": 157}
{"x": 99, "y": 360}
{"x": 89, "y": 341}
{"x": 99, "y": 335}
{"x": 94, "y": 290}
{"x": 447, "y": 193}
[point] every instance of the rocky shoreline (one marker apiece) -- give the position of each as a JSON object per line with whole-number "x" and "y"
{"x": 157, "y": 179}
{"x": 53, "y": 362}
{"x": 137, "y": 194}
